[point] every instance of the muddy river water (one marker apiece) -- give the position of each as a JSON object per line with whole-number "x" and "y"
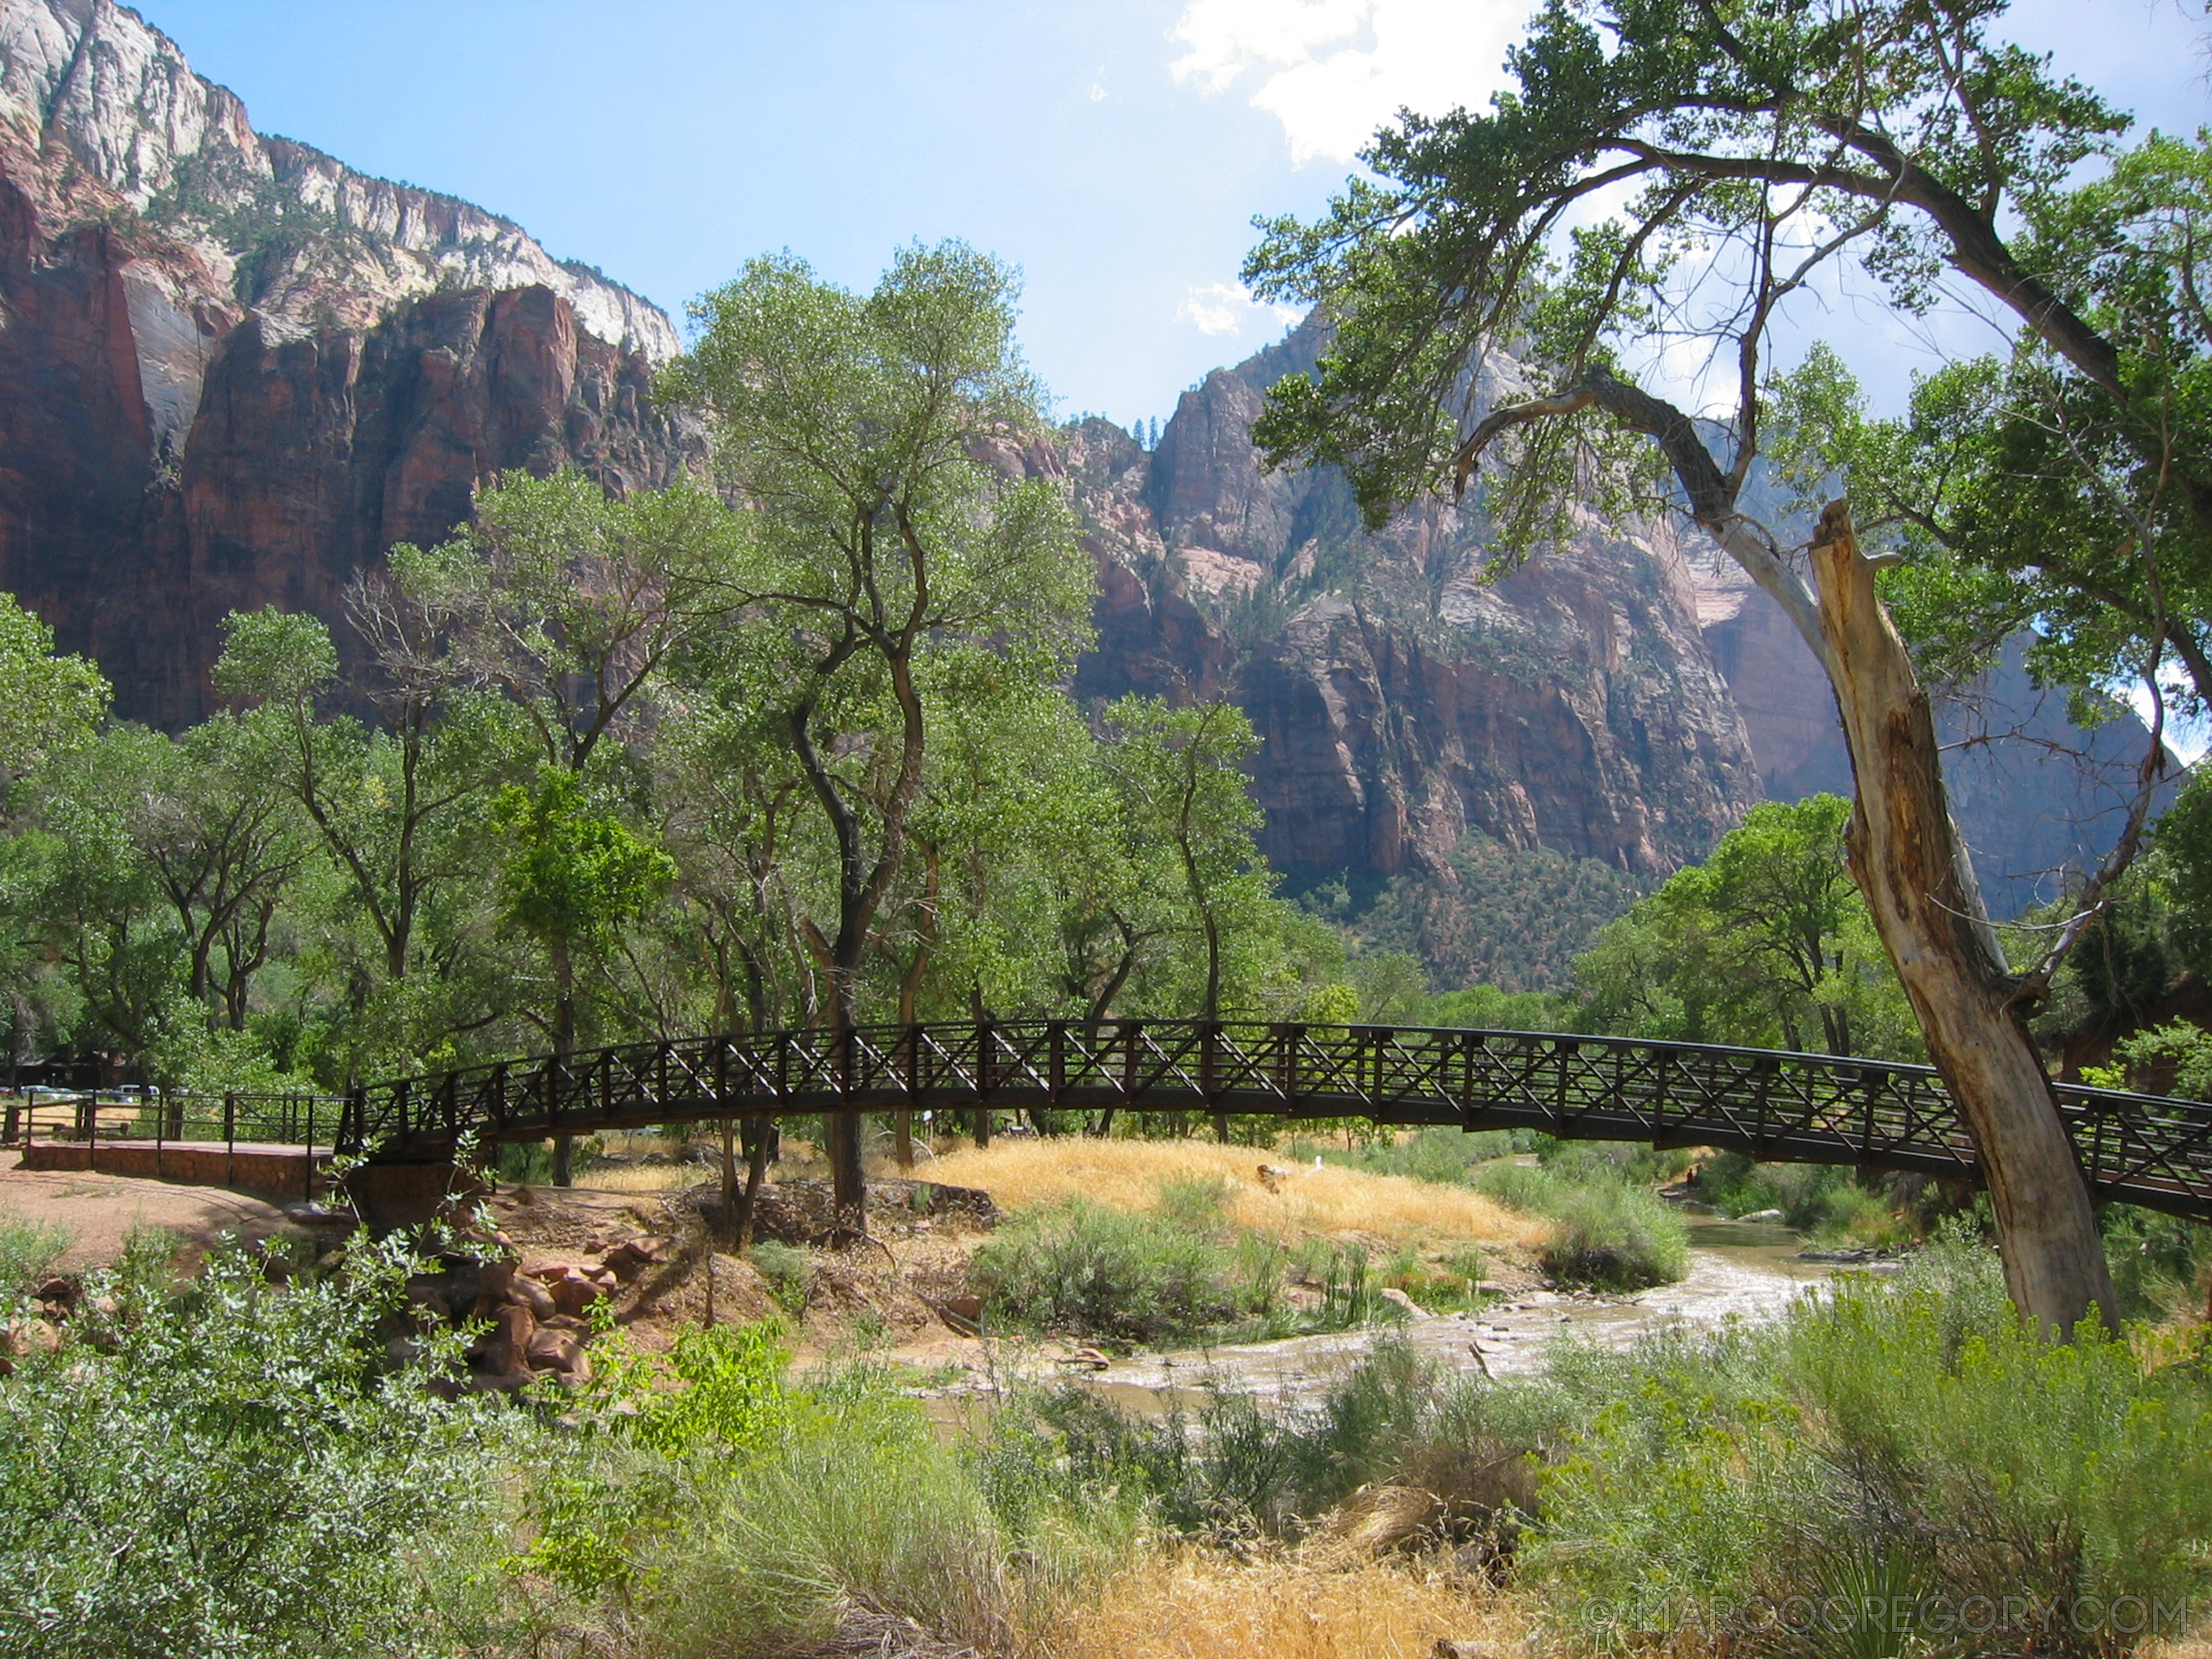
{"x": 1738, "y": 1271}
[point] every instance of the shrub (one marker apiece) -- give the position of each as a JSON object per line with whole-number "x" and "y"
{"x": 1078, "y": 1266}
{"x": 28, "y": 1252}
{"x": 1615, "y": 1237}
{"x": 787, "y": 1271}
{"x": 235, "y": 1469}
{"x": 1607, "y": 1233}
{"x": 1914, "y": 1436}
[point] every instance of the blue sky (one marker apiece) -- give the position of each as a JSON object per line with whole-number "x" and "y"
{"x": 1115, "y": 150}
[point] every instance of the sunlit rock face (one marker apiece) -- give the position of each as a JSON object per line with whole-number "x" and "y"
{"x": 233, "y": 372}
{"x": 232, "y": 369}
{"x": 1405, "y": 690}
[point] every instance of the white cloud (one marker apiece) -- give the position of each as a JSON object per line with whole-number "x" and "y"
{"x": 1333, "y": 71}
{"x": 1226, "y": 307}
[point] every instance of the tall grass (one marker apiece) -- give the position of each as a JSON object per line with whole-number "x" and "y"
{"x": 28, "y": 1252}
{"x": 1607, "y": 1233}
{"x": 1079, "y": 1267}
{"x": 1128, "y": 1175}
{"x": 1916, "y": 1437}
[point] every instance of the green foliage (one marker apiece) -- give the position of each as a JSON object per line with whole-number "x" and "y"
{"x": 861, "y": 1513}
{"x": 47, "y": 704}
{"x": 28, "y": 1251}
{"x": 789, "y": 1272}
{"x": 1767, "y": 945}
{"x": 1511, "y": 919}
{"x": 1607, "y": 1232}
{"x": 1919, "y": 1426}
{"x": 573, "y": 873}
{"x": 1083, "y": 1268}
{"x": 236, "y": 1469}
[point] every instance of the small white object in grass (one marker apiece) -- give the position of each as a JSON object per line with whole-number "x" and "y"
{"x": 1317, "y": 1161}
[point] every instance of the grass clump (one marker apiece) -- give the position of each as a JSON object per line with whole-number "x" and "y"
{"x": 1080, "y": 1267}
{"x": 1914, "y": 1438}
{"x": 1607, "y": 1233}
{"x": 28, "y": 1252}
{"x": 787, "y": 1271}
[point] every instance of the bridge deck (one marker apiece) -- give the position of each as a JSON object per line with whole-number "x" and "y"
{"x": 1771, "y": 1105}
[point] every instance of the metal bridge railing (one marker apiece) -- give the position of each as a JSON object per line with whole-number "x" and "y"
{"x": 1772, "y": 1104}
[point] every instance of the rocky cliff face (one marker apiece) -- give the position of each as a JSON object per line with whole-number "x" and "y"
{"x": 2034, "y": 795}
{"x": 232, "y": 370}
{"x": 1406, "y": 692}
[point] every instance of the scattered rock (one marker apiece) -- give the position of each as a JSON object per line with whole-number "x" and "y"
{"x": 1390, "y": 1293}
{"x": 534, "y": 1296}
{"x": 574, "y": 1291}
{"x": 557, "y": 1350}
{"x": 1761, "y": 1215}
{"x": 505, "y": 1350}
{"x": 28, "y": 1337}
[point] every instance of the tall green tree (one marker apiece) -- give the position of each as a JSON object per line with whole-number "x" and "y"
{"x": 1766, "y": 944}
{"x": 47, "y": 701}
{"x": 573, "y": 873}
{"x": 856, "y": 428}
{"x": 396, "y": 805}
{"x": 1181, "y": 778}
{"x": 1755, "y": 146}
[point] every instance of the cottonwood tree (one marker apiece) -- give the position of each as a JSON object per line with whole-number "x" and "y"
{"x": 856, "y": 428}
{"x": 1179, "y": 772}
{"x": 1749, "y": 151}
{"x": 573, "y": 873}
{"x": 49, "y": 702}
{"x": 1766, "y": 943}
{"x": 396, "y": 806}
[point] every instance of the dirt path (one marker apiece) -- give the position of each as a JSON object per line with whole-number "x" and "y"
{"x": 100, "y": 1211}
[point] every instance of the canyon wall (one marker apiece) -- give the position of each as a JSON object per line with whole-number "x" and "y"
{"x": 1407, "y": 692}
{"x": 233, "y": 371}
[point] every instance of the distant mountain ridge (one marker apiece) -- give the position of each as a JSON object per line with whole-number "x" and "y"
{"x": 233, "y": 372}
{"x": 295, "y": 234}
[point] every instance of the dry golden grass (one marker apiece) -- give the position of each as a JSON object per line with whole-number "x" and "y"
{"x": 646, "y": 1178}
{"x": 1199, "y": 1604}
{"x": 1328, "y": 1201}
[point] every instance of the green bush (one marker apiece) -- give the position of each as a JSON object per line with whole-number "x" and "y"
{"x": 787, "y": 1271}
{"x": 1606, "y": 1234}
{"x": 1083, "y": 1268}
{"x": 858, "y": 1519}
{"x": 28, "y": 1252}
{"x": 1615, "y": 1237}
{"x": 238, "y": 1468}
{"x": 1913, "y": 1436}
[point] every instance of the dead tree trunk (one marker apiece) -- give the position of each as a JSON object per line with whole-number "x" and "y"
{"x": 1908, "y": 861}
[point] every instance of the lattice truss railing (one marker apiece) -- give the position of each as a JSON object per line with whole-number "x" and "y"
{"x": 1816, "y": 1108}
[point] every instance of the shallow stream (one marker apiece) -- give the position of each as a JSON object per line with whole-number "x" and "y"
{"x": 1737, "y": 1271}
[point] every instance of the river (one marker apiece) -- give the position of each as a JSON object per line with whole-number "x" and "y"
{"x": 1737, "y": 1271}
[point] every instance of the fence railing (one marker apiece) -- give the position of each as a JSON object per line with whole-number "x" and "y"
{"x": 1771, "y": 1105}
{"x": 303, "y": 1123}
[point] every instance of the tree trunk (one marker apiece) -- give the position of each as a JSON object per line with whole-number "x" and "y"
{"x": 1909, "y": 862}
{"x": 756, "y": 1168}
{"x": 564, "y": 1046}
{"x": 729, "y": 1228}
{"x": 841, "y": 1130}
